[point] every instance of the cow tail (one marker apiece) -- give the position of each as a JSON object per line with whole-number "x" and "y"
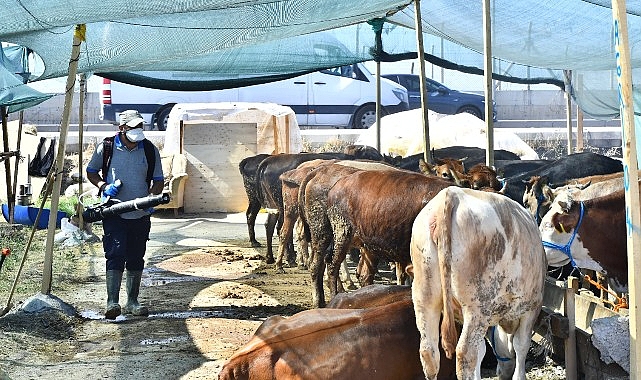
{"x": 449, "y": 336}
{"x": 301, "y": 203}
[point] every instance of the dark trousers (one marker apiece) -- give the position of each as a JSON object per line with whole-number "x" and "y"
{"x": 125, "y": 242}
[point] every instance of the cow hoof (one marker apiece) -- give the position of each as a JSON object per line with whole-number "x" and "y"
{"x": 352, "y": 286}
{"x": 302, "y": 267}
{"x": 292, "y": 264}
{"x": 270, "y": 260}
{"x": 255, "y": 244}
{"x": 280, "y": 270}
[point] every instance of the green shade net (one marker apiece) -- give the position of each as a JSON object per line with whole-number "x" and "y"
{"x": 14, "y": 94}
{"x": 203, "y": 45}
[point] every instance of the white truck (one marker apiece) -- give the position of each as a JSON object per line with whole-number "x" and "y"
{"x": 342, "y": 97}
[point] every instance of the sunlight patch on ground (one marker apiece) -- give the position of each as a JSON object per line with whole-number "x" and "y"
{"x": 229, "y": 293}
{"x": 195, "y": 242}
{"x": 214, "y": 263}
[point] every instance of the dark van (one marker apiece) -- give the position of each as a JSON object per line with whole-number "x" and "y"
{"x": 441, "y": 99}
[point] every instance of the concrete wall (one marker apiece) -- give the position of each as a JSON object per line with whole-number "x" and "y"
{"x": 530, "y": 105}
{"x": 50, "y": 111}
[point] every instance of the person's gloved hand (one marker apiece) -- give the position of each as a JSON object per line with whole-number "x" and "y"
{"x": 112, "y": 189}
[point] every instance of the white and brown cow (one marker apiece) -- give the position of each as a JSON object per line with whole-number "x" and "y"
{"x": 592, "y": 233}
{"x": 478, "y": 255}
{"x": 539, "y": 194}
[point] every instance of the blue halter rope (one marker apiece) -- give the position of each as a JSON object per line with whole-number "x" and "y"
{"x": 492, "y": 344}
{"x": 566, "y": 248}
{"x": 539, "y": 200}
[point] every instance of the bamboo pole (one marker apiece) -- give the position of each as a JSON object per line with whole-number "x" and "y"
{"x": 11, "y": 200}
{"x": 418, "y": 25}
{"x": 379, "y": 107}
{"x": 487, "y": 74}
{"x": 78, "y": 37}
{"x": 16, "y": 165}
{"x": 631, "y": 185}
{"x": 81, "y": 117}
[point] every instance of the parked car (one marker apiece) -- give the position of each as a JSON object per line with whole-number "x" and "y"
{"x": 343, "y": 96}
{"x": 442, "y": 99}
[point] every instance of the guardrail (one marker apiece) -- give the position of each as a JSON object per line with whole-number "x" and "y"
{"x": 601, "y": 137}
{"x": 598, "y": 136}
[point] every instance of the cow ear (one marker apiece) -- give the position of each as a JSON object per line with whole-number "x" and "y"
{"x": 409, "y": 269}
{"x": 565, "y": 206}
{"x": 424, "y": 167}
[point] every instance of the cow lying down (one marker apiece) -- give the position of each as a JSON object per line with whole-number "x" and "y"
{"x": 376, "y": 343}
{"x": 373, "y": 336}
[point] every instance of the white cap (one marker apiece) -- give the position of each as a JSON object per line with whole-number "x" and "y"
{"x": 131, "y": 118}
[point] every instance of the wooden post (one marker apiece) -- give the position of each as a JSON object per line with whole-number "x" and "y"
{"x": 487, "y": 74}
{"x": 16, "y": 165}
{"x": 287, "y": 136}
{"x": 11, "y": 199}
{"x": 418, "y": 25}
{"x": 579, "y": 129}
{"x": 81, "y": 116}
{"x": 571, "y": 371}
{"x": 78, "y": 37}
{"x": 379, "y": 107}
{"x": 568, "y": 108}
{"x": 275, "y": 126}
{"x": 579, "y": 117}
{"x": 182, "y": 136}
{"x": 630, "y": 171}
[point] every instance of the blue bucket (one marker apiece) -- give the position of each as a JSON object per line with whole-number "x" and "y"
{"x": 27, "y": 215}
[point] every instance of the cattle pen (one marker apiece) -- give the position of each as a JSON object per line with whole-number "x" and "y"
{"x": 577, "y": 329}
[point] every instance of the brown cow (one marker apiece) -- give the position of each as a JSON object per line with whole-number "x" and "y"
{"x": 443, "y": 167}
{"x": 371, "y": 296}
{"x": 373, "y": 343}
{"x": 291, "y": 181}
{"x": 374, "y": 211}
{"x": 593, "y": 232}
{"x": 269, "y": 188}
{"x": 479, "y": 177}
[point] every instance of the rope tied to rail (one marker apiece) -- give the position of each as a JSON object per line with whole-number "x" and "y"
{"x": 621, "y": 302}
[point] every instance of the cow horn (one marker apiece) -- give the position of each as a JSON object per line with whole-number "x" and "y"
{"x": 581, "y": 187}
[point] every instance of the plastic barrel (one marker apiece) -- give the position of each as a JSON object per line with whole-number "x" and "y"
{"x": 27, "y": 215}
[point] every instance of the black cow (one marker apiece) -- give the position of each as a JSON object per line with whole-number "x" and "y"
{"x": 575, "y": 165}
{"x": 270, "y": 190}
{"x": 248, "y": 168}
{"x": 512, "y": 168}
{"x": 470, "y": 156}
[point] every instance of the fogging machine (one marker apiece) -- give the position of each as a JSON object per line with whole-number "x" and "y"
{"x": 113, "y": 207}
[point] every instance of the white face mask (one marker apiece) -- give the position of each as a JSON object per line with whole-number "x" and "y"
{"x": 135, "y": 135}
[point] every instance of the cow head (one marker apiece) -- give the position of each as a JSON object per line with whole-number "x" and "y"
{"x": 538, "y": 196}
{"x": 364, "y": 152}
{"x": 482, "y": 177}
{"x": 446, "y": 168}
{"x": 558, "y": 226}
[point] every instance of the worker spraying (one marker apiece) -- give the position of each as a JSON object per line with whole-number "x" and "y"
{"x": 126, "y": 166}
